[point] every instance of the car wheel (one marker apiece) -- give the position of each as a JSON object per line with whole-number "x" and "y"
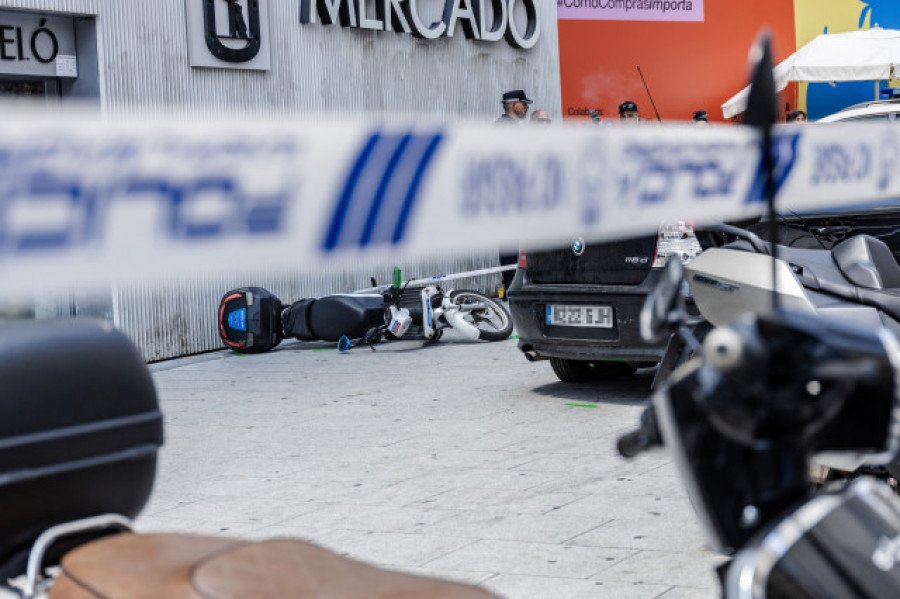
{"x": 580, "y": 371}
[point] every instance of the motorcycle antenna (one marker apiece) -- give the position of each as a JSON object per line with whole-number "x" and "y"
{"x": 652, "y": 103}
{"x": 762, "y": 112}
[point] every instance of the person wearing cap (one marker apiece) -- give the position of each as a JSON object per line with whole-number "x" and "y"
{"x": 628, "y": 110}
{"x": 515, "y": 106}
{"x": 701, "y": 117}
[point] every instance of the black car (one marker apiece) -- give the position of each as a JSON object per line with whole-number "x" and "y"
{"x": 578, "y": 306}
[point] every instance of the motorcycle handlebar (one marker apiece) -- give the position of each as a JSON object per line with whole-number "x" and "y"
{"x": 645, "y": 437}
{"x": 760, "y": 246}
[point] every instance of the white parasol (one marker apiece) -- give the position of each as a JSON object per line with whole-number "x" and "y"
{"x": 871, "y": 54}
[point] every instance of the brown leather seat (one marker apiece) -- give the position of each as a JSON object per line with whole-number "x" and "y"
{"x": 176, "y": 566}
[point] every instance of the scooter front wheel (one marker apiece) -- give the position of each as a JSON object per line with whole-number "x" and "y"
{"x": 490, "y": 318}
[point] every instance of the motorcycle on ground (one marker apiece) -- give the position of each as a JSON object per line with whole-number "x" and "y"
{"x": 253, "y": 320}
{"x": 763, "y": 396}
{"x": 81, "y": 429}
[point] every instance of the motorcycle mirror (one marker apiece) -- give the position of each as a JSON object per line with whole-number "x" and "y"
{"x": 397, "y": 278}
{"x": 657, "y": 314}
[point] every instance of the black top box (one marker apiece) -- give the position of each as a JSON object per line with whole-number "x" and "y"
{"x": 80, "y": 427}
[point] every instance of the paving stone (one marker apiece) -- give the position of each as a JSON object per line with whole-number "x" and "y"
{"x": 691, "y": 593}
{"x": 534, "y": 559}
{"x": 494, "y": 500}
{"x": 528, "y": 527}
{"x": 367, "y": 518}
{"x": 397, "y": 549}
{"x": 536, "y": 587}
{"x": 687, "y": 568}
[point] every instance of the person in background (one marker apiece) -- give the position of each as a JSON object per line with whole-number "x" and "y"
{"x": 515, "y": 106}
{"x": 796, "y": 116}
{"x": 700, "y": 116}
{"x": 540, "y": 117}
{"x": 628, "y": 110}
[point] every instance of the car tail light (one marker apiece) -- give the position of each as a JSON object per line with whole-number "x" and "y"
{"x": 675, "y": 238}
{"x": 523, "y": 258}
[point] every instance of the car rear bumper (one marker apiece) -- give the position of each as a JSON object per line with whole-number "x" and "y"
{"x": 528, "y": 305}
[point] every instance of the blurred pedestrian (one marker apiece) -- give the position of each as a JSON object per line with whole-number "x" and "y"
{"x": 628, "y": 111}
{"x": 796, "y": 116}
{"x": 515, "y": 106}
{"x": 540, "y": 117}
{"x": 700, "y": 116}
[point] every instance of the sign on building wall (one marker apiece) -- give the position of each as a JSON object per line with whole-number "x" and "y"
{"x": 685, "y": 65}
{"x": 228, "y": 34}
{"x": 516, "y": 21}
{"x": 631, "y": 10}
{"x": 35, "y": 45}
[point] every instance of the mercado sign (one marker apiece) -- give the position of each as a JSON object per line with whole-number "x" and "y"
{"x": 485, "y": 20}
{"x": 630, "y": 10}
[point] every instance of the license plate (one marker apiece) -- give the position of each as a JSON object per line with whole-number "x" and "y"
{"x": 580, "y": 316}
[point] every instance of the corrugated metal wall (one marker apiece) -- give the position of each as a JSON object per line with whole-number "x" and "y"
{"x": 143, "y": 54}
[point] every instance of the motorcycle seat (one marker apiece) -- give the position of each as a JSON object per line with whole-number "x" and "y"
{"x": 181, "y": 566}
{"x": 886, "y": 300}
{"x": 867, "y": 262}
{"x": 295, "y": 320}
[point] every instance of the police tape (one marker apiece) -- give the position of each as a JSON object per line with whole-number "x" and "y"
{"x": 85, "y": 200}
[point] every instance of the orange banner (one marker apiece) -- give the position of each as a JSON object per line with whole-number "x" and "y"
{"x": 688, "y": 66}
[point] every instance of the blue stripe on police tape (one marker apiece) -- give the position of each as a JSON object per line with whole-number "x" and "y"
{"x": 381, "y": 189}
{"x": 784, "y": 148}
{"x": 383, "y": 185}
{"x": 413, "y": 192}
{"x": 343, "y": 204}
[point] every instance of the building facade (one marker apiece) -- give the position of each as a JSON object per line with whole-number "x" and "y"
{"x": 203, "y": 58}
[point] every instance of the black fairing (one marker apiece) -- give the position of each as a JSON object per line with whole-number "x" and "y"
{"x": 727, "y": 475}
{"x": 839, "y": 544}
{"x": 745, "y": 438}
{"x": 79, "y": 430}
{"x": 352, "y": 316}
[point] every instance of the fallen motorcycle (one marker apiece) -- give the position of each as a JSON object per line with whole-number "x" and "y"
{"x": 762, "y": 397}
{"x": 253, "y": 320}
{"x": 81, "y": 430}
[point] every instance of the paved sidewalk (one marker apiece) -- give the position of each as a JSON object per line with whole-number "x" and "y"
{"x": 456, "y": 459}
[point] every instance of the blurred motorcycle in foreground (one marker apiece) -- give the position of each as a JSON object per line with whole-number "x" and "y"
{"x": 763, "y": 396}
